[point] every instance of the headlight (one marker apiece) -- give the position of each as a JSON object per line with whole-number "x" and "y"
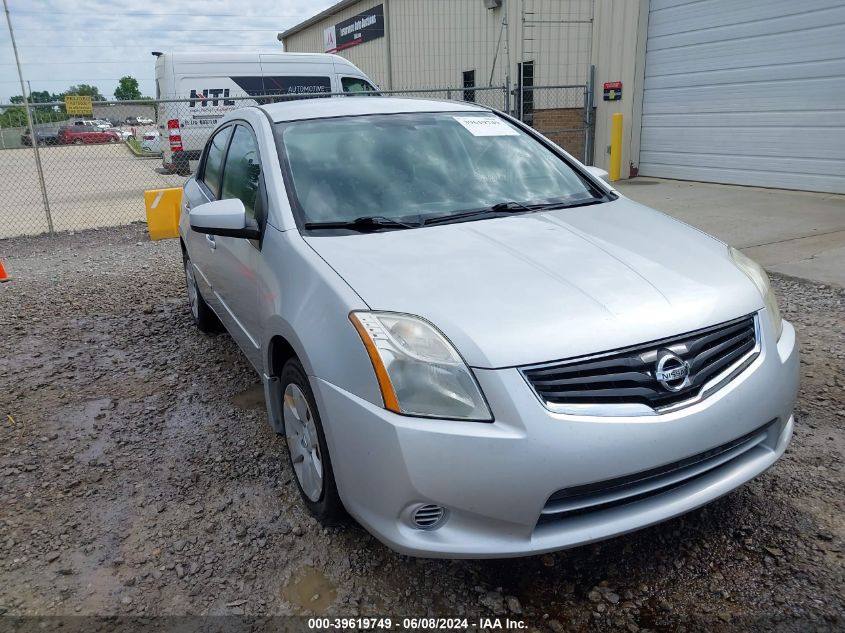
{"x": 418, "y": 370}
{"x": 756, "y": 273}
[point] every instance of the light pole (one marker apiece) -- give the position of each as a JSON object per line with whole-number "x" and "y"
{"x": 32, "y": 133}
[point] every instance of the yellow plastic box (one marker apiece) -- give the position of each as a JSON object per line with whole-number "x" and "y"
{"x": 163, "y": 212}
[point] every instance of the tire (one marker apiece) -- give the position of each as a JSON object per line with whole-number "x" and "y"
{"x": 203, "y": 316}
{"x": 181, "y": 164}
{"x": 301, "y": 423}
{"x": 78, "y": 141}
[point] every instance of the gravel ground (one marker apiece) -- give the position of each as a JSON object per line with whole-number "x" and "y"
{"x": 139, "y": 476}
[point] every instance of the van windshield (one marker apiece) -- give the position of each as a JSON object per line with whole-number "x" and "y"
{"x": 410, "y": 167}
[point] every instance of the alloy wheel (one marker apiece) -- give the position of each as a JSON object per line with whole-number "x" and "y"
{"x": 193, "y": 293}
{"x": 303, "y": 443}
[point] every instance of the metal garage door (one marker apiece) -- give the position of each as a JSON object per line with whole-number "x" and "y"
{"x": 749, "y": 92}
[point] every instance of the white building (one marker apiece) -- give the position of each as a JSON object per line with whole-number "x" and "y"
{"x": 738, "y": 91}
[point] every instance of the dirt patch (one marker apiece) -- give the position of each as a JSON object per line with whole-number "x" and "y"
{"x": 252, "y": 398}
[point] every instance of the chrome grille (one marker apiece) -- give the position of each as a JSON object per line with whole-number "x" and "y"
{"x": 627, "y": 377}
{"x": 610, "y": 493}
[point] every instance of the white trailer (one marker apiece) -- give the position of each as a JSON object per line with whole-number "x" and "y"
{"x": 215, "y": 83}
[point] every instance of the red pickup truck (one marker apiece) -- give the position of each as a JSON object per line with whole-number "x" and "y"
{"x": 77, "y": 136}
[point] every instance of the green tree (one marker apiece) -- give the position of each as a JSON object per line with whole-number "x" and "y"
{"x": 127, "y": 89}
{"x": 85, "y": 90}
{"x": 37, "y": 97}
{"x": 40, "y": 96}
{"x": 13, "y": 117}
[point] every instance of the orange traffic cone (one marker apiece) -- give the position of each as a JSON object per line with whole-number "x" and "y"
{"x": 3, "y": 275}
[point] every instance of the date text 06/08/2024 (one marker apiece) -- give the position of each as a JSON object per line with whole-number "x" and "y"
{"x": 386, "y": 624}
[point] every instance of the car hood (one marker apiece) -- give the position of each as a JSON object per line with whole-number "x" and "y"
{"x": 545, "y": 286}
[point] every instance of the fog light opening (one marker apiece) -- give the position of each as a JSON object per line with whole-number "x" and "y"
{"x": 428, "y": 516}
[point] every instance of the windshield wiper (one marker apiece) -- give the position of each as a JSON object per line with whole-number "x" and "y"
{"x": 509, "y": 207}
{"x": 500, "y": 207}
{"x": 364, "y": 223}
{"x": 379, "y": 222}
{"x": 581, "y": 202}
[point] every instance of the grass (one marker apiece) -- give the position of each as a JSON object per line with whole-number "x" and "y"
{"x": 135, "y": 145}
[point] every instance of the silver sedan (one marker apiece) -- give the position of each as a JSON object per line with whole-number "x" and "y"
{"x": 472, "y": 344}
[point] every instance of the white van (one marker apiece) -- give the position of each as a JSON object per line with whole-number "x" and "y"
{"x": 213, "y": 81}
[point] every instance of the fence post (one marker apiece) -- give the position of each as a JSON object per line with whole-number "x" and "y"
{"x": 2, "y": 137}
{"x": 508, "y": 95}
{"x": 588, "y": 118}
{"x": 32, "y": 132}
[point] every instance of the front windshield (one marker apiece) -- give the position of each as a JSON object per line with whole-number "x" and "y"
{"x": 420, "y": 165}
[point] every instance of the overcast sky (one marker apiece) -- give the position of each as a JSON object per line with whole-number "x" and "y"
{"x": 66, "y": 42}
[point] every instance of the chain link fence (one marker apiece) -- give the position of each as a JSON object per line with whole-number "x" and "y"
{"x": 94, "y": 169}
{"x": 561, "y": 113}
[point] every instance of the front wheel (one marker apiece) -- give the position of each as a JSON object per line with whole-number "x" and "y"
{"x": 203, "y": 315}
{"x": 307, "y": 448}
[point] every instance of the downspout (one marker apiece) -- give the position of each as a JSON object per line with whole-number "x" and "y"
{"x": 387, "y": 45}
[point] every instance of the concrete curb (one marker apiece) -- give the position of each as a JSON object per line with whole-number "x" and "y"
{"x": 141, "y": 154}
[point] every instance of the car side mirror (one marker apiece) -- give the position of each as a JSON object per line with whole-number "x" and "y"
{"x": 226, "y": 218}
{"x": 598, "y": 172}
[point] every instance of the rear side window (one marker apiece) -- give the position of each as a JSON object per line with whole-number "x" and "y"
{"x": 214, "y": 160}
{"x": 243, "y": 171}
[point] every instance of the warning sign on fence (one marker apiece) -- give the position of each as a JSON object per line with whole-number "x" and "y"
{"x": 78, "y": 105}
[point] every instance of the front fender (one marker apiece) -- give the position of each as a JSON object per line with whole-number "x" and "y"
{"x": 307, "y": 303}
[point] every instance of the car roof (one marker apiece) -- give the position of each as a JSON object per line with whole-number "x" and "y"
{"x": 354, "y": 106}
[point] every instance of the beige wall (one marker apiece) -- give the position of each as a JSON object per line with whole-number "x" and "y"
{"x": 619, "y": 36}
{"x": 371, "y": 57}
{"x": 556, "y": 34}
{"x": 432, "y": 42}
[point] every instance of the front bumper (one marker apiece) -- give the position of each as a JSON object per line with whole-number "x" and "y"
{"x": 496, "y": 478}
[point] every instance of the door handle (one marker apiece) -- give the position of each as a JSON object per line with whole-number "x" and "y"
{"x": 210, "y": 240}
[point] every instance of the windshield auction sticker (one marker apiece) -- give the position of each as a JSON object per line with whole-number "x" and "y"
{"x": 486, "y": 126}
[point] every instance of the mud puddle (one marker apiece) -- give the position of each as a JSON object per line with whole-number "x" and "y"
{"x": 311, "y": 591}
{"x": 252, "y": 398}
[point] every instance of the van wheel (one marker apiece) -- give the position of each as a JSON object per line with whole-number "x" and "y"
{"x": 78, "y": 141}
{"x": 307, "y": 449}
{"x": 181, "y": 165}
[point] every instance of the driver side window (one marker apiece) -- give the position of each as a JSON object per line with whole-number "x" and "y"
{"x": 354, "y": 84}
{"x": 214, "y": 161}
{"x": 242, "y": 174}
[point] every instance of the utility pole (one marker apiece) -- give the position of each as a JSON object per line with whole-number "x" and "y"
{"x": 33, "y": 134}
{"x": 506, "y": 26}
